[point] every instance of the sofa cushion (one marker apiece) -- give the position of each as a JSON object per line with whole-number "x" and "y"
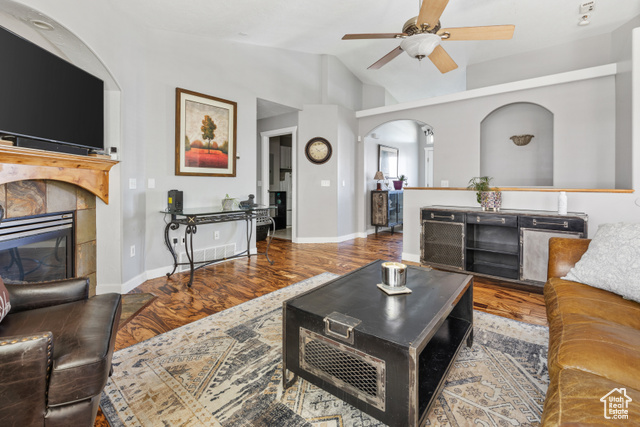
{"x": 5, "y": 305}
{"x": 597, "y": 346}
{"x": 612, "y": 261}
{"x": 574, "y": 397}
{"x": 564, "y": 296}
{"x": 83, "y": 332}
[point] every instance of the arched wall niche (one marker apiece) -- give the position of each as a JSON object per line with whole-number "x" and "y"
{"x": 512, "y": 165}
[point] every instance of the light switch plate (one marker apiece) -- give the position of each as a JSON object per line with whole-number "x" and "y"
{"x": 444, "y": 183}
{"x": 132, "y": 184}
{"x": 151, "y": 183}
{"x": 325, "y": 183}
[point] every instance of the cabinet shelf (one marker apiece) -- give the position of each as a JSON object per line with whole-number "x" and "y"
{"x": 499, "y": 248}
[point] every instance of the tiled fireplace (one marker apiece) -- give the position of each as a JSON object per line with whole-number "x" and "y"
{"x": 37, "y": 197}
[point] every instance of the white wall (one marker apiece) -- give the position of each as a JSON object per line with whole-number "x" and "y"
{"x": 584, "y": 131}
{"x": 621, "y": 53}
{"x": 316, "y": 211}
{"x": 349, "y": 167}
{"x": 340, "y": 86}
{"x": 563, "y": 57}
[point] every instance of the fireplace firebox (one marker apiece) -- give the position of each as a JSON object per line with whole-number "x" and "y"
{"x": 37, "y": 248}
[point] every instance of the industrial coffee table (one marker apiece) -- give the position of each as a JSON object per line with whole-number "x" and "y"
{"x": 386, "y": 355}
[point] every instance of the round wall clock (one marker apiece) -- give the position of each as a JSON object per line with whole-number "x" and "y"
{"x": 318, "y": 150}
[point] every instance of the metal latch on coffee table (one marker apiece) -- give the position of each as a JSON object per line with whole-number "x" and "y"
{"x": 340, "y": 326}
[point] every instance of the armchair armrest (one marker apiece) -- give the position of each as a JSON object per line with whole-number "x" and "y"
{"x": 25, "y": 365}
{"x": 563, "y": 255}
{"x": 30, "y": 296}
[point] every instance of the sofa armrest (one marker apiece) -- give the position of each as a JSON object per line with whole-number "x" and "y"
{"x": 25, "y": 365}
{"x": 563, "y": 254}
{"x": 30, "y": 296}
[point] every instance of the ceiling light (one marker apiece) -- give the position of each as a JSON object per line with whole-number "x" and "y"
{"x": 420, "y": 45}
{"x": 41, "y": 25}
{"x": 584, "y": 20}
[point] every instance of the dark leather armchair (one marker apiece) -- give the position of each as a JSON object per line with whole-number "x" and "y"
{"x": 56, "y": 345}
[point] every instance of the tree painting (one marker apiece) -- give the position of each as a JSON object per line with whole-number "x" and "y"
{"x": 208, "y": 131}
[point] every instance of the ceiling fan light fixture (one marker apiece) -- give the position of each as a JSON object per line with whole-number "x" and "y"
{"x": 420, "y": 45}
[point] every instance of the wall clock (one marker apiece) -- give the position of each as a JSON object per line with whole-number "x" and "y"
{"x": 318, "y": 150}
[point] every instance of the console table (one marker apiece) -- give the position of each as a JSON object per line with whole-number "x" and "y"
{"x": 509, "y": 244}
{"x": 194, "y": 217}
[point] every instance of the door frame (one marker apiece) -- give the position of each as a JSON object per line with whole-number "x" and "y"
{"x": 264, "y": 162}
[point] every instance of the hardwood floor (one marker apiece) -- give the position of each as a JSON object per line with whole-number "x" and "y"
{"x": 219, "y": 287}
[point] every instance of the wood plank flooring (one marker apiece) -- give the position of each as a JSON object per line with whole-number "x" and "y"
{"x": 219, "y": 287}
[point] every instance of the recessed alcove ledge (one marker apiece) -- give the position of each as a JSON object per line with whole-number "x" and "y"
{"x": 539, "y": 189}
{"x": 90, "y": 173}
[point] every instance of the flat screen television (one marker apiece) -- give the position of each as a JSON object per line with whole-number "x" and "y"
{"x": 47, "y": 99}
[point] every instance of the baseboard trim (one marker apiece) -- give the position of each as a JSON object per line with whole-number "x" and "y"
{"x": 133, "y": 283}
{"x": 410, "y": 257}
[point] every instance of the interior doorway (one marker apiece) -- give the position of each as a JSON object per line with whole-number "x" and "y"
{"x": 279, "y": 179}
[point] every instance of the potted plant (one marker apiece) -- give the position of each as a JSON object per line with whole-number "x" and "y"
{"x": 228, "y": 203}
{"x": 400, "y": 182}
{"x": 488, "y": 198}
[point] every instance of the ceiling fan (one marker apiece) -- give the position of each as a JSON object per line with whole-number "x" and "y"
{"x": 422, "y": 36}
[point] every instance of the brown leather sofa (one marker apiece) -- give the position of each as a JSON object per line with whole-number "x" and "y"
{"x": 594, "y": 346}
{"x": 56, "y": 345}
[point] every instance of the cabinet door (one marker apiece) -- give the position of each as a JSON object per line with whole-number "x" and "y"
{"x": 393, "y": 208}
{"x": 442, "y": 243}
{"x": 534, "y": 249}
{"x": 400, "y": 207}
{"x": 379, "y": 208}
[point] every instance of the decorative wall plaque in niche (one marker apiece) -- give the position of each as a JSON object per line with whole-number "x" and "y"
{"x": 521, "y": 140}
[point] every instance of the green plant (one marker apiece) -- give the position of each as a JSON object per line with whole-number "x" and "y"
{"x": 480, "y": 184}
{"x": 402, "y": 178}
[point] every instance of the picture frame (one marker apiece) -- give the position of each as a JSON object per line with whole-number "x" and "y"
{"x": 388, "y": 161}
{"x": 205, "y": 135}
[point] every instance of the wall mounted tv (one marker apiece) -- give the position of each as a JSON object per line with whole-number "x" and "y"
{"x": 46, "y": 102}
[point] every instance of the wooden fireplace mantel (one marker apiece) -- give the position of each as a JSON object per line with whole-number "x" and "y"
{"x": 90, "y": 173}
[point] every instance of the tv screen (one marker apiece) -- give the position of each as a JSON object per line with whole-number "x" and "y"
{"x": 44, "y": 97}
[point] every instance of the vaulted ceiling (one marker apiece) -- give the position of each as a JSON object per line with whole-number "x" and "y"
{"x": 318, "y": 26}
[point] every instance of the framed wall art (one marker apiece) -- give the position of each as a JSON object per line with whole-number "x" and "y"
{"x": 205, "y": 135}
{"x": 388, "y": 161}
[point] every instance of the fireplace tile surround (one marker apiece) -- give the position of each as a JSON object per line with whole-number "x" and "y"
{"x": 35, "y": 197}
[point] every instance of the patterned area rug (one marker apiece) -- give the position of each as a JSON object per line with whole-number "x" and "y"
{"x": 225, "y": 370}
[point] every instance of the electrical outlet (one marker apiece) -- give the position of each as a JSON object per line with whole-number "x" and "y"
{"x": 175, "y": 240}
{"x": 132, "y": 251}
{"x": 151, "y": 183}
{"x": 216, "y": 235}
{"x": 182, "y": 241}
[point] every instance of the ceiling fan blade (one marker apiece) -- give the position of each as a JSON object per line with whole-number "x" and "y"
{"x": 442, "y": 60}
{"x": 387, "y": 58}
{"x": 491, "y": 32}
{"x": 430, "y": 12}
{"x": 373, "y": 36}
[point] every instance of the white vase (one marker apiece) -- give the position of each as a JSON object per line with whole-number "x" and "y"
{"x": 562, "y": 203}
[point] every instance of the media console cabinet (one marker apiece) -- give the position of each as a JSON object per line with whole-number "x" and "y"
{"x": 508, "y": 244}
